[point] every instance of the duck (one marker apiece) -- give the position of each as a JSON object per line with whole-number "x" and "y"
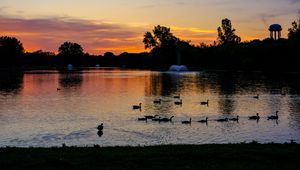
{"x": 177, "y": 97}
{"x": 137, "y": 106}
{"x": 150, "y": 116}
{"x": 142, "y": 119}
{"x": 178, "y": 102}
{"x": 203, "y": 121}
{"x": 166, "y": 119}
{"x": 235, "y": 118}
{"x": 156, "y": 119}
{"x": 157, "y": 101}
{"x": 187, "y": 121}
{"x": 204, "y": 103}
{"x": 256, "y": 97}
{"x": 254, "y": 117}
{"x": 222, "y": 120}
{"x": 274, "y": 117}
{"x": 100, "y": 127}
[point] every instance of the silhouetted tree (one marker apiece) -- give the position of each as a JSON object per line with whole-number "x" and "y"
{"x": 161, "y": 37}
{"x": 39, "y": 58}
{"x": 294, "y": 32}
{"x": 226, "y": 34}
{"x": 10, "y": 49}
{"x": 109, "y": 54}
{"x": 163, "y": 45}
{"x": 70, "y": 49}
{"x": 71, "y": 52}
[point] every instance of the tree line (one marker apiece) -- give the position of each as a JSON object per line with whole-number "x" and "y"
{"x": 227, "y": 52}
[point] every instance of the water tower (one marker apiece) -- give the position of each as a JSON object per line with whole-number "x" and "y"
{"x": 275, "y": 31}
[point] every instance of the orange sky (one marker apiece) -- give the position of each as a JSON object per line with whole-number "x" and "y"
{"x": 118, "y": 26}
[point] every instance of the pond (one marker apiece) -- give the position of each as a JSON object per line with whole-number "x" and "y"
{"x": 45, "y": 108}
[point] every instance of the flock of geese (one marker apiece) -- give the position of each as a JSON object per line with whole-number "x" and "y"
{"x": 157, "y": 118}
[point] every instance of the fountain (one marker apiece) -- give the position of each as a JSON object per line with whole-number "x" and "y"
{"x": 178, "y": 67}
{"x": 70, "y": 67}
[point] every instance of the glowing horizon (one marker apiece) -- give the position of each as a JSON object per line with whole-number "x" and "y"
{"x": 118, "y": 26}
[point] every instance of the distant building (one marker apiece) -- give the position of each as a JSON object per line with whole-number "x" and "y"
{"x": 275, "y": 31}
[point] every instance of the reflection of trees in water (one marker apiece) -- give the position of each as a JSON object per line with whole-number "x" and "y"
{"x": 222, "y": 83}
{"x": 227, "y": 105}
{"x": 69, "y": 79}
{"x": 295, "y": 111}
{"x": 164, "y": 84}
{"x": 11, "y": 81}
{"x": 204, "y": 83}
{"x": 226, "y": 82}
{"x": 288, "y": 83}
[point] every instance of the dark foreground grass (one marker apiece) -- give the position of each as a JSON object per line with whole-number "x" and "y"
{"x": 230, "y": 156}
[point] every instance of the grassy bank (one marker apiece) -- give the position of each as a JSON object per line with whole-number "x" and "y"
{"x": 231, "y": 156}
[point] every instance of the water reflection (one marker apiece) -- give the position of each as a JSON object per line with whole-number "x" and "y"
{"x": 295, "y": 111}
{"x": 226, "y": 105}
{"x": 164, "y": 84}
{"x": 100, "y": 133}
{"x": 226, "y": 82}
{"x": 11, "y": 82}
{"x": 37, "y": 109}
{"x": 69, "y": 80}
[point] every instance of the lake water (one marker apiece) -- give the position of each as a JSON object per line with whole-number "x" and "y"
{"x": 34, "y": 113}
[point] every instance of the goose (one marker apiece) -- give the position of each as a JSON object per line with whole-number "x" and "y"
{"x": 204, "y": 103}
{"x": 222, "y": 120}
{"x": 274, "y": 117}
{"x": 156, "y": 119}
{"x": 151, "y": 117}
{"x": 100, "y": 127}
{"x": 187, "y": 121}
{"x": 157, "y": 101}
{"x": 137, "y": 106}
{"x": 235, "y": 118}
{"x": 166, "y": 119}
{"x": 203, "y": 121}
{"x": 178, "y": 102}
{"x": 142, "y": 119}
{"x": 177, "y": 97}
{"x": 256, "y": 97}
{"x": 254, "y": 117}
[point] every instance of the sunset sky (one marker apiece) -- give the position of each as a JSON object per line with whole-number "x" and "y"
{"x": 119, "y": 25}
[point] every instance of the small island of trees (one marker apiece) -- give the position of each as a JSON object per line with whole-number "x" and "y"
{"x": 228, "y": 52}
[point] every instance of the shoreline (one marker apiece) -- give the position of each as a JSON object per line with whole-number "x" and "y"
{"x": 209, "y": 156}
{"x": 192, "y": 69}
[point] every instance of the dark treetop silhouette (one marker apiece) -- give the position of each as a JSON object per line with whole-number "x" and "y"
{"x": 294, "y": 32}
{"x": 226, "y": 34}
{"x": 10, "y": 49}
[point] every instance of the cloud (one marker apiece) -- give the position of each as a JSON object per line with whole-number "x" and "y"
{"x": 49, "y": 33}
{"x": 266, "y": 17}
{"x": 163, "y": 4}
{"x": 96, "y": 37}
{"x": 294, "y": 1}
